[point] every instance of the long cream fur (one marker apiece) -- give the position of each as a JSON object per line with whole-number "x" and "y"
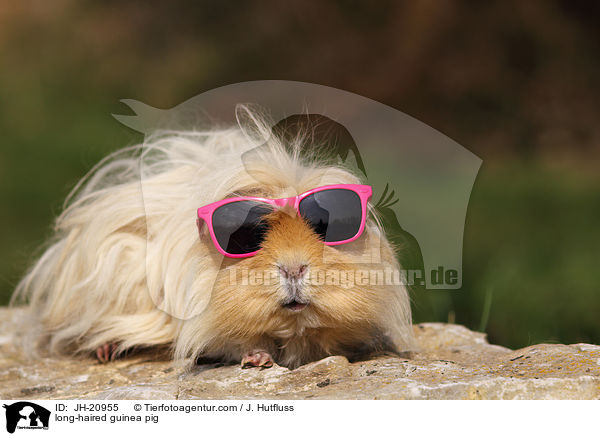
{"x": 128, "y": 266}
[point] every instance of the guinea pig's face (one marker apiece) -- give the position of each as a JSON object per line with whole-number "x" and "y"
{"x": 296, "y": 282}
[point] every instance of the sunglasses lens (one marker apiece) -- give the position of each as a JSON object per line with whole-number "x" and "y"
{"x": 334, "y": 214}
{"x": 239, "y": 226}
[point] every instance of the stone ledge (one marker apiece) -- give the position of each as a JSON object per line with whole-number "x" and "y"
{"x": 452, "y": 363}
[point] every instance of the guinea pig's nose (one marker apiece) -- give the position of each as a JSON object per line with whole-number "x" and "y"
{"x": 295, "y": 271}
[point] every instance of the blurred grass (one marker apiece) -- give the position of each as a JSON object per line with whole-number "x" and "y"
{"x": 39, "y": 164}
{"x": 531, "y": 236}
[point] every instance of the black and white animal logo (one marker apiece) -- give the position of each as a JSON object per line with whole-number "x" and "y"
{"x": 26, "y": 415}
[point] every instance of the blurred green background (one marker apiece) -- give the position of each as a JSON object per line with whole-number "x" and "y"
{"x": 516, "y": 82}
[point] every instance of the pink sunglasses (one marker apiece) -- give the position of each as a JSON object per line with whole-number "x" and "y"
{"x": 337, "y": 213}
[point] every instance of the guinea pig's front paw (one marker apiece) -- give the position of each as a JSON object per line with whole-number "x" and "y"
{"x": 257, "y": 358}
{"x": 106, "y": 352}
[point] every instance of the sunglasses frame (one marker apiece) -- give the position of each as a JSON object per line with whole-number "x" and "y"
{"x": 205, "y": 213}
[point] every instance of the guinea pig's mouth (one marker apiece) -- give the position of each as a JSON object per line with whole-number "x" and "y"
{"x": 295, "y": 306}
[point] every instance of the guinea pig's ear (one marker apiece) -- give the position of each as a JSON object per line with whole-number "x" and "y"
{"x": 202, "y": 229}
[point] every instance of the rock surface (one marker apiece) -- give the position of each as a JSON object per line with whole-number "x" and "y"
{"x": 452, "y": 363}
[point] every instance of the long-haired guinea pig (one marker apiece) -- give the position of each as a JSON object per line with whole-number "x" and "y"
{"x": 133, "y": 266}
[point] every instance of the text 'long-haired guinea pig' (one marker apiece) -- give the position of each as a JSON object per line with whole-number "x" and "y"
{"x": 212, "y": 246}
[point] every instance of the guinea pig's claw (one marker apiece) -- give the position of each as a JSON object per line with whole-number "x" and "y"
{"x": 257, "y": 358}
{"x": 106, "y": 353}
